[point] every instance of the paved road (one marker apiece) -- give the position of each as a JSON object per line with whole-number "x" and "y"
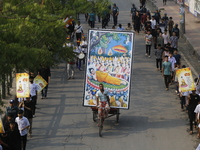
{"x": 153, "y": 122}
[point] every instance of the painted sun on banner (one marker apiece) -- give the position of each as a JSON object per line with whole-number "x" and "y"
{"x": 109, "y": 61}
{"x": 40, "y": 82}
{"x": 186, "y": 82}
{"x": 22, "y": 85}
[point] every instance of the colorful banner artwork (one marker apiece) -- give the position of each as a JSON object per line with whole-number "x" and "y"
{"x": 40, "y": 82}
{"x": 22, "y": 85}
{"x": 186, "y": 82}
{"x": 109, "y": 61}
{"x": 1, "y": 126}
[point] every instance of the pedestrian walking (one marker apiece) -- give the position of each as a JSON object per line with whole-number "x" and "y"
{"x": 133, "y": 12}
{"x": 46, "y": 75}
{"x": 33, "y": 94}
{"x": 177, "y": 57}
{"x": 166, "y": 72}
{"x": 170, "y": 25}
{"x": 160, "y": 40}
{"x": 192, "y": 103}
{"x": 148, "y": 41}
{"x": 23, "y": 125}
{"x": 92, "y": 19}
{"x": 176, "y": 30}
{"x": 137, "y": 22}
{"x": 14, "y": 138}
{"x": 71, "y": 68}
{"x": 157, "y": 16}
{"x": 197, "y": 118}
{"x": 115, "y": 13}
{"x": 79, "y": 31}
{"x": 28, "y": 113}
{"x": 173, "y": 62}
{"x": 165, "y": 37}
{"x": 12, "y": 109}
{"x": 173, "y": 40}
{"x": 158, "y": 54}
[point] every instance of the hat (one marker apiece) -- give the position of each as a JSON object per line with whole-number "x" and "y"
{"x": 20, "y": 111}
{"x": 12, "y": 101}
{"x": 176, "y": 24}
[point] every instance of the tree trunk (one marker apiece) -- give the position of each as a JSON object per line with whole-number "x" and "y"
{"x": 3, "y": 83}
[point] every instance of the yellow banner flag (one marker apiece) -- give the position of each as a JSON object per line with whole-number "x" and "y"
{"x": 22, "y": 85}
{"x": 40, "y": 82}
{"x": 185, "y": 79}
{"x": 1, "y": 126}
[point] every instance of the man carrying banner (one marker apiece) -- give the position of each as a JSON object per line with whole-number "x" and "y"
{"x": 33, "y": 94}
{"x": 46, "y": 74}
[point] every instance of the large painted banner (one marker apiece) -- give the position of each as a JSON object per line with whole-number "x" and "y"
{"x": 185, "y": 79}
{"x": 109, "y": 61}
{"x": 22, "y": 85}
{"x": 40, "y": 82}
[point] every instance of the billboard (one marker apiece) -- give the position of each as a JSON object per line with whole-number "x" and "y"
{"x": 109, "y": 61}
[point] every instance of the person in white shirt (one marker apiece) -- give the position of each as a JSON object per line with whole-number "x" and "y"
{"x": 33, "y": 93}
{"x": 197, "y": 111}
{"x": 184, "y": 99}
{"x": 173, "y": 62}
{"x": 23, "y": 125}
{"x": 153, "y": 23}
{"x": 165, "y": 37}
{"x": 148, "y": 41}
{"x": 78, "y": 30}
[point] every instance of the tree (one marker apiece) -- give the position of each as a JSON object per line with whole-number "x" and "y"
{"x": 32, "y": 33}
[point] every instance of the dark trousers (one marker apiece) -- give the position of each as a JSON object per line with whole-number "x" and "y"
{"x": 92, "y": 24}
{"x": 78, "y": 36}
{"x": 104, "y": 23}
{"x": 148, "y": 49}
{"x": 182, "y": 101}
{"x": 164, "y": 2}
{"x": 167, "y": 79}
{"x": 78, "y": 63}
{"x": 191, "y": 116}
{"x": 115, "y": 20}
{"x": 23, "y": 141}
{"x": 159, "y": 63}
{"x": 34, "y": 100}
{"x": 44, "y": 91}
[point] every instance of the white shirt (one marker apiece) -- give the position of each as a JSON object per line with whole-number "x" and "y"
{"x": 78, "y": 29}
{"x": 148, "y": 39}
{"x": 153, "y": 23}
{"x": 166, "y": 38}
{"x": 102, "y": 96}
{"x": 197, "y": 109}
{"x": 173, "y": 61}
{"x": 22, "y": 123}
{"x": 33, "y": 89}
{"x": 84, "y": 43}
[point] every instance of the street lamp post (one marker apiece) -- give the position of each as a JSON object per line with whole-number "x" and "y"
{"x": 182, "y": 16}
